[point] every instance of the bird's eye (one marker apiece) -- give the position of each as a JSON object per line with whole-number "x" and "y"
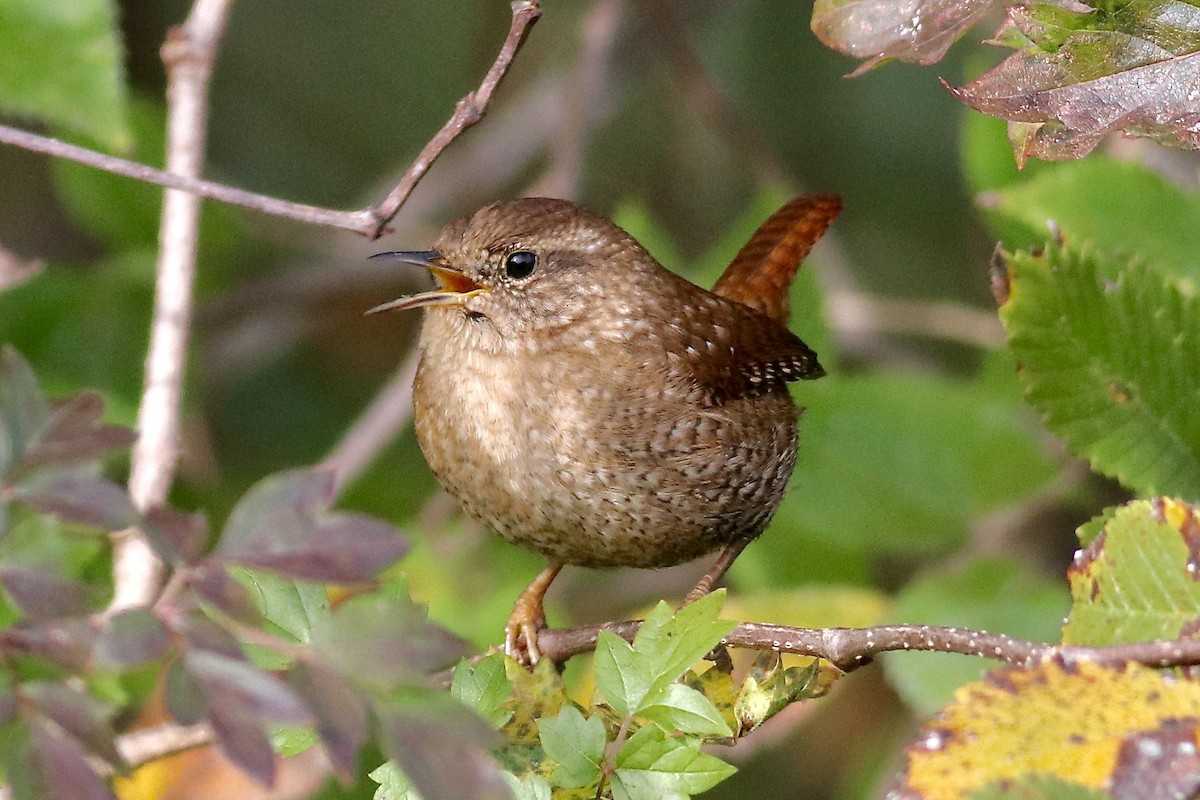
{"x": 520, "y": 264}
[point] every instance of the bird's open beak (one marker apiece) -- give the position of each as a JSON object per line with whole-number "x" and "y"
{"x": 456, "y": 288}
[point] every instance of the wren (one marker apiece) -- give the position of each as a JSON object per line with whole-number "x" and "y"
{"x": 586, "y": 403}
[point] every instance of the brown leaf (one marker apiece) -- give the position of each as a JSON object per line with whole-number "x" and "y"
{"x": 918, "y": 31}
{"x": 1136, "y": 71}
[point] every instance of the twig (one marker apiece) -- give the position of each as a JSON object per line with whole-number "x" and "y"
{"x": 372, "y": 221}
{"x": 850, "y": 648}
{"x": 376, "y": 427}
{"x": 148, "y": 744}
{"x": 851, "y": 312}
{"x": 188, "y": 54}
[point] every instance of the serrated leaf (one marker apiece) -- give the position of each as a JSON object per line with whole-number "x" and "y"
{"x": 992, "y": 594}
{"x": 623, "y": 676}
{"x": 1132, "y": 69}
{"x": 61, "y": 61}
{"x": 1111, "y": 357}
{"x": 294, "y": 606}
{"x": 1089, "y": 725}
{"x": 537, "y": 694}
{"x": 484, "y": 687}
{"x": 283, "y": 525}
{"x": 1137, "y": 580}
{"x": 384, "y": 642}
{"x": 1117, "y": 206}
{"x": 442, "y": 748}
{"x": 651, "y": 766}
{"x": 576, "y": 743}
{"x": 672, "y": 641}
{"x": 676, "y": 707}
{"x": 131, "y": 637}
{"x": 393, "y": 783}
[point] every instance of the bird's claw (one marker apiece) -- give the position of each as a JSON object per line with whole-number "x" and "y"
{"x": 521, "y": 631}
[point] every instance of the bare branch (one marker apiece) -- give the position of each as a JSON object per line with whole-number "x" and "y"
{"x": 372, "y": 221}
{"x": 188, "y": 54}
{"x": 148, "y": 744}
{"x": 850, "y": 648}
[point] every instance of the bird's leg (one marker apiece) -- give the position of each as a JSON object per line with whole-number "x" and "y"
{"x": 724, "y": 561}
{"x": 528, "y": 618}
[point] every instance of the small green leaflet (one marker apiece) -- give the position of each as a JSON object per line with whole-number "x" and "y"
{"x": 654, "y": 766}
{"x": 576, "y": 743}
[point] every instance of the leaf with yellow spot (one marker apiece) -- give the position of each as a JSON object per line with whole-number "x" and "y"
{"x": 1132, "y": 732}
{"x": 770, "y": 687}
{"x": 1138, "y": 578}
{"x": 536, "y": 694}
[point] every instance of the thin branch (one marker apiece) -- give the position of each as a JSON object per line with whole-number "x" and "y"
{"x": 149, "y": 744}
{"x": 850, "y": 648}
{"x": 188, "y": 54}
{"x": 374, "y": 430}
{"x": 371, "y": 221}
{"x": 851, "y": 312}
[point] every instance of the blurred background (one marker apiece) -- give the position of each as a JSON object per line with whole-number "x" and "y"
{"x": 925, "y": 490}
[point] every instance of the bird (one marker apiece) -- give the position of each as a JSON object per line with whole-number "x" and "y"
{"x": 585, "y": 402}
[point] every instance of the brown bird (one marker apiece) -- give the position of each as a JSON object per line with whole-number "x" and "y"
{"x": 588, "y": 404}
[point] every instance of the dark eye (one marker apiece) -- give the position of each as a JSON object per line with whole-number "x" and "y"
{"x": 520, "y": 264}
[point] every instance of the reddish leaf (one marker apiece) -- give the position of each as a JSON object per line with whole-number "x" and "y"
{"x": 1078, "y": 77}
{"x": 241, "y": 737}
{"x": 67, "y": 642}
{"x": 204, "y": 634}
{"x": 75, "y": 434}
{"x": 75, "y": 495}
{"x": 178, "y": 538}
{"x": 340, "y": 711}
{"x": 130, "y": 638}
{"x": 384, "y": 642}
{"x": 919, "y": 31}
{"x": 442, "y": 747}
{"x": 78, "y": 713}
{"x": 282, "y": 525}
{"x": 185, "y": 701}
{"x": 40, "y": 593}
{"x": 62, "y": 769}
{"x": 215, "y": 586}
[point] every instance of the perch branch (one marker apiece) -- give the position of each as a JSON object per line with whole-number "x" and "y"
{"x": 188, "y": 55}
{"x": 371, "y": 221}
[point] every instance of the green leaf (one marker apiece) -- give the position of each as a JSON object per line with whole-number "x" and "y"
{"x": 768, "y": 688}
{"x": 1110, "y": 354}
{"x": 1037, "y": 787}
{"x": 894, "y": 464}
{"x": 993, "y": 594}
{"x": 292, "y": 740}
{"x": 294, "y": 607}
{"x": 1136, "y": 580}
{"x": 61, "y": 62}
{"x": 393, "y": 783}
{"x": 576, "y": 743}
{"x": 674, "y": 641}
{"x": 484, "y": 687}
{"x": 676, "y": 707}
{"x": 622, "y": 675}
{"x": 1117, "y": 206}
{"x": 652, "y": 766}
{"x": 531, "y": 787}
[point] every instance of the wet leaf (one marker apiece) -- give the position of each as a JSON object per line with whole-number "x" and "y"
{"x": 918, "y": 32}
{"x": 1110, "y": 354}
{"x": 576, "y": 744}
{"x": 1139, "y": 578}
{"x": 130, "y": 638}
{"x": 1090, "y": 726}
{"x": 1081, "y": 75}
{"x": 283, "y": 525}
{"x": 442, "y": 748}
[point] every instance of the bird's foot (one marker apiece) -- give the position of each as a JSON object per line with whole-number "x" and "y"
{"x": 521, "y": 631}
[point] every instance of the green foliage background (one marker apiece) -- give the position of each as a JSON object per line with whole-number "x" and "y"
{"x": 915, "y": 453}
